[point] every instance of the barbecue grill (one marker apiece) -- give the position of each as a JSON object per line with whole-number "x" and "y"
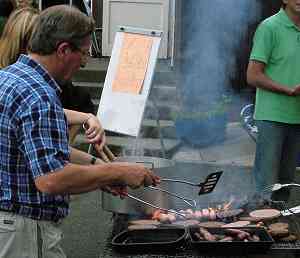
{"x": 232, "y": 177}
{"x": 121, "y": 222}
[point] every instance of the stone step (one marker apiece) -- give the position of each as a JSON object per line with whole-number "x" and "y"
{"x": 153, "y": 123}
{"x": 150, "y": 128}
{"x": 96, "y": 68}
{"x": 138, "y": 146}
{"x": 94, "y": 89}
{"x": 161, "y": 92}
{"x": 161, "y": 109}
{"x": 94, "y": 71}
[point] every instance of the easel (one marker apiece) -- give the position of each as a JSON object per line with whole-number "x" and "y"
{"x": 123, "y": 112}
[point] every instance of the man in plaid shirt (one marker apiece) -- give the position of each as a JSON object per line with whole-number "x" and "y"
{"x": 37, "y": 168}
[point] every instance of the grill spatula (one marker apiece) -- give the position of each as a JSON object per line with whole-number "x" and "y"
{"x": 206, "y": 187}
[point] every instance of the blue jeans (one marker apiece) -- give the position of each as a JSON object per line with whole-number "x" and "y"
{"x": 278, "y": 145}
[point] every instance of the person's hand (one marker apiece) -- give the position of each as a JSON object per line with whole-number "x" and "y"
{"x": 296, "y": 90}
{"x": 116, "y": 190}
{"x": 94, "y": 132}
{"x": 135, "y": 175}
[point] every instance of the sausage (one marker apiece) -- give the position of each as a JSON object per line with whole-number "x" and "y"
{"x": 212, "y": 214}
{"x": 207, "y": 235}
{"x": 240, "y": 234}
{"x": 198, "y": 215}
{"x": 226, "y": 239}
{"x": 205, "y": 213}
{"x": 164, "y": 218}
{"x": 198, "y": 236}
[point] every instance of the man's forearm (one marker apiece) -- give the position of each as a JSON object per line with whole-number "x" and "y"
{"x": 256, "y": 77}
{"x": 76, "y": 117}
{"x": 81, "y": 157}
{"x": 75, "y": 179}
{"x": 264, "y": 82}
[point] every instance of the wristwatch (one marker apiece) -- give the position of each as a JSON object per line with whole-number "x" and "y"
{"x": 93, "y": 160}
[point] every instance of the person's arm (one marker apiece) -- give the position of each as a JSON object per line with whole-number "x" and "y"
{"x": 82, "y": 158}
{"x": 256, "y": 77}
{"x": 74, "y": 179}
{"x": 76, "y": 117}
{"x": 94, "y": 131}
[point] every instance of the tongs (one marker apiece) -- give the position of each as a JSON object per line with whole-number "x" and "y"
{"x": 206, "y": 187}
{"x": 105, "y": 154}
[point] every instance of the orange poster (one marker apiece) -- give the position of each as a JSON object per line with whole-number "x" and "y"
{"x": 133, "y": 62}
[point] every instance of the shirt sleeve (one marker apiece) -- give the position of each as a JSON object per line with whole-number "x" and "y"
{"x": 44, "y": 138}
{"x": 262, "y": 43}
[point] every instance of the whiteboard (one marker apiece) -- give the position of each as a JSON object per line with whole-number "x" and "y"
{"x": 119, "y": 111}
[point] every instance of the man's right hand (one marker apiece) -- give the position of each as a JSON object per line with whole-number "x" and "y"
{"x": 296, "y": 90}
{"x": 135, "y": 175}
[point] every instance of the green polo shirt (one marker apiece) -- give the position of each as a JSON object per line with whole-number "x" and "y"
{"x": 277, "y": 44}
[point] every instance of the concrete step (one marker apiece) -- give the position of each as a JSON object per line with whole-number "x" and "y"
{"x": 150, "y": 143}
{"x": 96, "y": 68}
{"x": 94, "y": 89}
{"x": 160, "y": 110}
{"x": 94, "y": 71}
{"x": 160, "y": 92}
{"x": 138, "y": 146}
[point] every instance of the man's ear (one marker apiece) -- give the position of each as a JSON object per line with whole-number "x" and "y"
{"x": 63, "y": 49}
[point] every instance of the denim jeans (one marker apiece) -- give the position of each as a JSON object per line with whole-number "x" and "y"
{"x": 278, "y": 145}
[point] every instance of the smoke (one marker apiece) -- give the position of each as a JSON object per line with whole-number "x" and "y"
{"x": 212, "y": 32}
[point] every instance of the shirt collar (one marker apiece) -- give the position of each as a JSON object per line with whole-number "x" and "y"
{"x": 26, "y": 60}
{"x": 285, "y": 19}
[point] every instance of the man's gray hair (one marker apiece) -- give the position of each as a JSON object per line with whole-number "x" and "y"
{"x": 57, "y": 24}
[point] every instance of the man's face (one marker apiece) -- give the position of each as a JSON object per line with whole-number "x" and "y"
{"x": 75, "y": 59}
{"x": 293, "y": 6}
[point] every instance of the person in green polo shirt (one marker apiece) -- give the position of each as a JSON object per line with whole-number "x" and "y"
{"x": 274, "y": 70}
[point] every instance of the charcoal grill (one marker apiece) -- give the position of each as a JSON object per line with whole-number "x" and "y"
{"x": 294, "y": 223}
{"x": 232, "y": 176}
{"x": 121, "y": 222}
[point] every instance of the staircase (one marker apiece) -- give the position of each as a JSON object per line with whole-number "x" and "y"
{"x": 157, "y": 137}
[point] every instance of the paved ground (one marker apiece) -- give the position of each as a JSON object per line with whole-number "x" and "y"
{"x": 238, "y": 148}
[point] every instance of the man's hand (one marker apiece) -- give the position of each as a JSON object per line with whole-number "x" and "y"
{"x": 135, "y": 175}
{"x": 116, "y": 190}
{"x": 296, "y": 90}
{"x": 94, "y": 131}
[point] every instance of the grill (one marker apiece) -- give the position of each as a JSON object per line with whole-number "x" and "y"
{"x": 294, "y": 224}
{"x": 121, "y": 222}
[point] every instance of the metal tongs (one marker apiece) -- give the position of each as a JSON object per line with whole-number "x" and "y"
{"x": 206, "y": 187}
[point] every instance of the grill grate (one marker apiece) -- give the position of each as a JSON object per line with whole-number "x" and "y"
{"x": 294, "y": 226}
{"x": 121, "y": 222}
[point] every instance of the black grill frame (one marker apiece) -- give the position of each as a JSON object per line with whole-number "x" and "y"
{"x": 294, "y": 225}
{"x": 121, "y": 223}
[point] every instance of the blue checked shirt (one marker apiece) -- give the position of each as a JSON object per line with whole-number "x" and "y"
{"x": 33, "y": 140}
